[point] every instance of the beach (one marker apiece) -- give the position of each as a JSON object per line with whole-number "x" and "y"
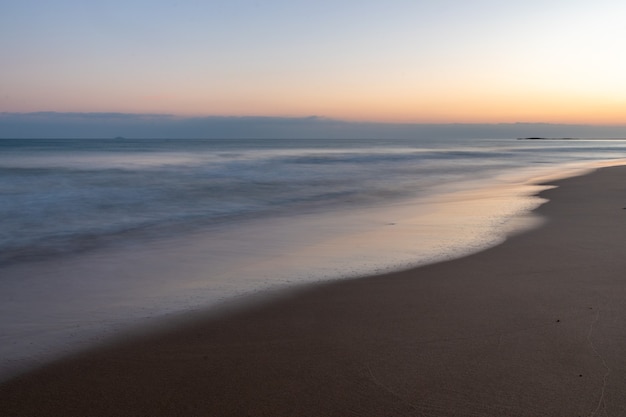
{"x": 531, "y": 327}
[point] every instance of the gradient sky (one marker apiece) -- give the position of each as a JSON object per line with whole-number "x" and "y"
{"x": 477, "y": 61}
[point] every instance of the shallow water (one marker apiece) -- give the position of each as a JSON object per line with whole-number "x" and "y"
{"x": 101, "y": 236}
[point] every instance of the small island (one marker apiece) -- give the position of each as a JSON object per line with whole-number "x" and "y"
{"x": 542, "y": 138}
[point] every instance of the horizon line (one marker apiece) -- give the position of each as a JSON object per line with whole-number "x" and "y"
{"x": 261, "y": 117}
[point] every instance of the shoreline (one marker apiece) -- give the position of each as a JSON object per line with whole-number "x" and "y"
{"x": 529, "y": 327}
{"x": 57, "y": 307}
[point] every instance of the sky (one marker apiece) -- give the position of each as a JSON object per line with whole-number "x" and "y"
{"x": 391, "y": 61}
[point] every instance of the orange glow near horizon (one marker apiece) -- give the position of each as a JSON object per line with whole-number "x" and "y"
{"x": 470, "y": 97}
{"x": 364, "y": 106}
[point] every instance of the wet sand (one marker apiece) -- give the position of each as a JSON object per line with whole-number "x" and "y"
{"x": 532, "y": 327}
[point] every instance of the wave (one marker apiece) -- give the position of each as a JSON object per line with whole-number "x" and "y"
{"x": 70, "y": 196}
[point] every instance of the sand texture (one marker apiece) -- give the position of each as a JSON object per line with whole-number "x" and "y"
{"x": 533, "y": 327}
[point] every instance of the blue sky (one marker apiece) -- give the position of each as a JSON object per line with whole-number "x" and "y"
{"x": 478, "y": 61}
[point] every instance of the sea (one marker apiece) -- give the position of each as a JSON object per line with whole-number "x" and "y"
{"x": 99, "y": 238}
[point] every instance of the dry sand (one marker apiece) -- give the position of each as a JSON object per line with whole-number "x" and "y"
{"x": 533, "y": 327}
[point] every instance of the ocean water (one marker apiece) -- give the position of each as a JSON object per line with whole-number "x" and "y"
{"x": 98, "y": 235}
